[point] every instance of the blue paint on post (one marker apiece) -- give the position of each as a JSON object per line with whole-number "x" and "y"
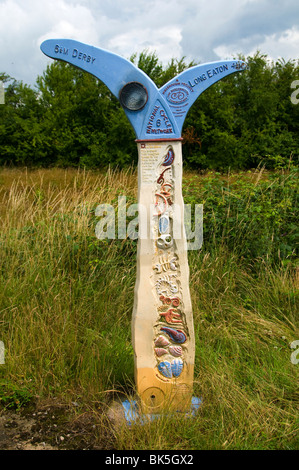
{"x": 134, "y": 416}
{"x": 154, "y": 113}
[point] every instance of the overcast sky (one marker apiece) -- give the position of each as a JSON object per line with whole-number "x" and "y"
{"x": 201, "y": 30}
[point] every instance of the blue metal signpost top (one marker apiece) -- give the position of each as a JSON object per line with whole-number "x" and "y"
{"x": 154, "y": 113}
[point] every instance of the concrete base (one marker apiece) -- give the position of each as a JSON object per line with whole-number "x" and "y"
{"x": 133, "y": 415}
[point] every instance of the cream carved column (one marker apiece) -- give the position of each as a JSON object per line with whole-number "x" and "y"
{"x": 162, "y": 323}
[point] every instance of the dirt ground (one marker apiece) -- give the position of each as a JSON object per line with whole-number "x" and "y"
{"x": 54, "y": 426}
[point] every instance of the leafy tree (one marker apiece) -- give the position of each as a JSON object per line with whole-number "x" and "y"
{"x": 72, "y": 119}
{"x": 19, "y": 128}
{"x": 247, "y": 118}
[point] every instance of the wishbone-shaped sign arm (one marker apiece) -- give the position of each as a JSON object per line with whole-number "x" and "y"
{"x": 113, "y": 70}
{"x": 181, "y": 92}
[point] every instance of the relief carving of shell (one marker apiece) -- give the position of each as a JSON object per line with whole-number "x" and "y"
{"x": 165, "y": 369}
{"x": 171, "y": 369}
{"x": 160, "y": 351}
{"x": 161, "y": 341}
{"x": 175, "y": 351}
{"x": 177, "y": 367}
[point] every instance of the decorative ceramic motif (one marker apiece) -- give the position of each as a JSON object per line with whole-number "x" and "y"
{"x": 177, "y": 336}
{"x": 163, "y": 223}
{"x": 158, "y": 268}
{"x": 166, "y": 263}
{"x": 160, "y": 204}
{"x": 174, "y": 301}
{"x": 161, "y": 341}
{"x": 169, "y": 157}
{"x": 165, "y": 188}
{"x": 165, "y": 191}
{"x": 171, "y": 316}
{"x": 165, "y": 369}
{"x": 175, "y": 351}
{"x": 161, "y": 180}
{"x": 177, "y": 367}
{"x": 171, "y": 369}
{"x": 160, "y": 351}
{"x": 165, "y": 241}
{"x": 165, "y": 285}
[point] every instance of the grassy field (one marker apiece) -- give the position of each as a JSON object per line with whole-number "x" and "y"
{"x": 66, "y": 300}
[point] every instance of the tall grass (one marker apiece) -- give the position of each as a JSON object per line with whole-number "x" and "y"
{"x": 66, "y": 300}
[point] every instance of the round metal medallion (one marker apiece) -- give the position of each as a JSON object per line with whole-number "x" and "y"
{"x": 133, "y": 96}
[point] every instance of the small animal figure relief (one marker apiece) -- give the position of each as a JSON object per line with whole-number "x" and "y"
{"x": 171, "y": 316}
{"x": 165, "y": 264}
{"x": 166, "y": 285}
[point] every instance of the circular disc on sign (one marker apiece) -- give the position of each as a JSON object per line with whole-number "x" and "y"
{"x": 153, "y": 397}
{"x": 133, "y": 96}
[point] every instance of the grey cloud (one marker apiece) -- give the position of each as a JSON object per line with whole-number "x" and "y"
{"x": 201, "y": 30}
{"x": 240, "y": 29}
